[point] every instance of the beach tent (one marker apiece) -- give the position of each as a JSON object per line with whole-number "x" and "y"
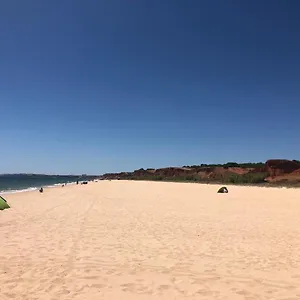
{"x": 223, "y": 189}
{"x": 3, "y": 203}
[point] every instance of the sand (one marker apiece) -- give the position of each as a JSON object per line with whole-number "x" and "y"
{"x": 147, "y": 240}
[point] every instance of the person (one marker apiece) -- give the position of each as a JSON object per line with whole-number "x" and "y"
{"x": 41, "y": 190}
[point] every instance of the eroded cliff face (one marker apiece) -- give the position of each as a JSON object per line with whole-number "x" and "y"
{"x": 283, "y": 171}
{"x": 277, "y": 170}
{"x": 173, "y": 172}
{"x": 279, "y": 167}
{"x": 209, "y": 173}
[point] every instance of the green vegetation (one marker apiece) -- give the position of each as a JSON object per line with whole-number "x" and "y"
{"x": 230, "y": 165}
{"x": 252, "y": 178}
{"x": 245, "y": 174}
{"x": 249, "y": 178}
{"x": 146, "y": 177}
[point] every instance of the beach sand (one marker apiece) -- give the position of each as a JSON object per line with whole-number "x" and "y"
{"x": 149, "y": 240}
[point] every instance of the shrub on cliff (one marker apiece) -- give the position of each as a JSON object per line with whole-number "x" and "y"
{"x": 251, "y": 178}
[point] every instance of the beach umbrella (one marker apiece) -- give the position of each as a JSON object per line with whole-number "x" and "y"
{"x": 3, "y": 203}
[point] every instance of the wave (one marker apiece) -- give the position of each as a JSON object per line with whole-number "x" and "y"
{"x": 31, "y": 189}
{"x": 17, "y": 183}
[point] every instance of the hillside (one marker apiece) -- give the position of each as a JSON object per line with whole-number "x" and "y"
{"x": 274, "y": 171}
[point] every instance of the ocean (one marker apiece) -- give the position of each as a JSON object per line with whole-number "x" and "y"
{"x": 10, "y": 183}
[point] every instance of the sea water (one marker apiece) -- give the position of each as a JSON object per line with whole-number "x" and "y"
{"x": 10, "y": 183}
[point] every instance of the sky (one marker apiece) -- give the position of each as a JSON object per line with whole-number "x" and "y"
{"x": 115, "y": 85}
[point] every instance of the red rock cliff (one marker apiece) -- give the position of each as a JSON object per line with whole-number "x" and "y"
{"x": 278, "y": 167}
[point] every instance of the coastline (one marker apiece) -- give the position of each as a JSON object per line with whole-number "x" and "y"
{"x": 32, "y": 189}
{"x": 217, "y": 184}
{"x": 16, "y": 183}
{"x": 59, "y": 185}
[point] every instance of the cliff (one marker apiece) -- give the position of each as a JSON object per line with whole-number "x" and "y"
{"x": 283, "y": 170}
{"x": 277, "y": 167}
{"x": 273, "y": 171}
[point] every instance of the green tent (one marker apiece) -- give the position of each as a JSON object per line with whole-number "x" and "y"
{"x": 3, "y": 204}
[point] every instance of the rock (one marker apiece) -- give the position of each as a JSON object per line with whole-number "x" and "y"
{"x": 279, "y": 167}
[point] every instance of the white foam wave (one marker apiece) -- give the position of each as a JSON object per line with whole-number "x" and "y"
{"x": 30, "y": 189}
{"x": 5, "y": 192}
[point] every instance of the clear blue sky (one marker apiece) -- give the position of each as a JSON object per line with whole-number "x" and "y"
{"x": 113, "y": 85}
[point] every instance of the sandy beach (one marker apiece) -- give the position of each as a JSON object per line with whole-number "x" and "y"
{"x": 149, "y": 240}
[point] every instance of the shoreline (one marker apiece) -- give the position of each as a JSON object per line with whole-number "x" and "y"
{"x": 32, "y": 189}
{"x": 59, "y": 185}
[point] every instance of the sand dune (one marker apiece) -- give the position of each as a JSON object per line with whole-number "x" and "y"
{"x": 146, "y": 240}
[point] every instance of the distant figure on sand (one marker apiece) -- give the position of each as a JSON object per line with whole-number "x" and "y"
{"x": 77, "y": 182}
{"x": 41, "y": 190}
